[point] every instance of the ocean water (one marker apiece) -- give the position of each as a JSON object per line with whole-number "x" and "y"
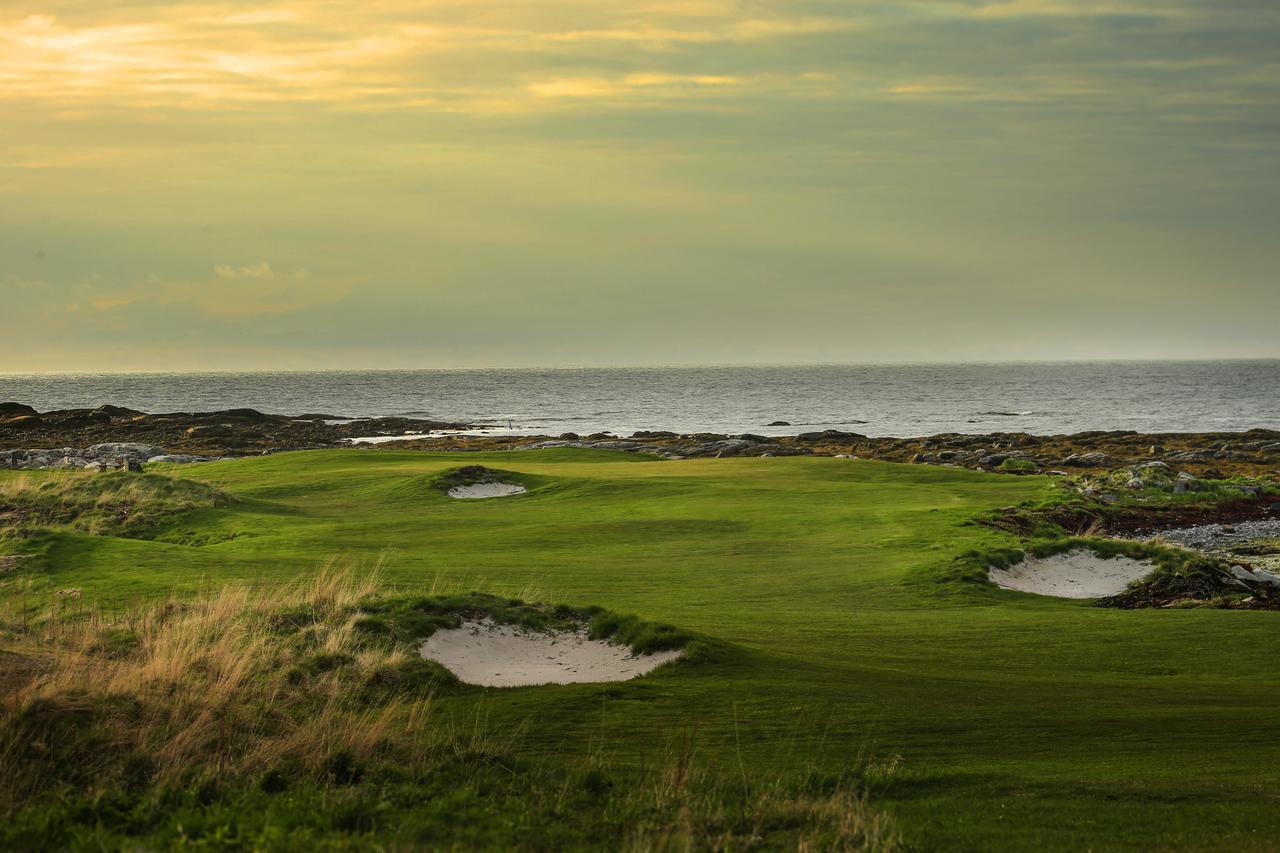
{"x": 901, "y": 400}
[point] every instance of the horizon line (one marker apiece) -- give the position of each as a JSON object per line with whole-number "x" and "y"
{"x": 638, "y": 366}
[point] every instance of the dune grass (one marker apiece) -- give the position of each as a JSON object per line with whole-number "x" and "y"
{"x": 1021, "y": 722}
{"x": 114, "y": 502}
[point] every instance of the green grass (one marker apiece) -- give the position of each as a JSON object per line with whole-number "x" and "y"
{"x": 1022, "y": 722}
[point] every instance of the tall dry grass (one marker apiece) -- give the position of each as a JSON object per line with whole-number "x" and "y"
{"x": 223, "y": 682}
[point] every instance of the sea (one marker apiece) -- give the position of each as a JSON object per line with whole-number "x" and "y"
{"x": 872, "y": 399}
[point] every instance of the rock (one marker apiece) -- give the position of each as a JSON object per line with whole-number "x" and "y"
{"x": 1241, "y": 573}
{"x": 779, "y": 423}
{"x": 115, "y": 412}
{"x": 1266, "y": 577}
{"x": 9, "y": 459}
{"x": 13, "y": 410}
{"x": 180, "y": 458}
{"x": 209, "y": 431}
{"x": 1275, "y": 507}
{"x": 569, "y": 436}
{"x": 829, "y": 435}
{"x": 252, "y": 415}
{"x": 1160, "y": 466}
{"x": 1156, "y": 450}
{"x": 1087, "y": 460}
{"x": 128, "y": 449}
{"x": 757, "y": 439}
{"x": 651, "y": 433}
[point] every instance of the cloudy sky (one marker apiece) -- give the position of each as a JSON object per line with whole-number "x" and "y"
{"x": 439, "y": 183}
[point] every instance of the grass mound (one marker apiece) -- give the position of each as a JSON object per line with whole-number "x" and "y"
{"x": 414, "y": 618}
{"x": 278, "y": 720}
{"x": 116, "y": 503}
{"x": 471, "y": 475}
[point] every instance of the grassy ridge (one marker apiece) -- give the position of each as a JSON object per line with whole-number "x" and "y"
{"x": 1021, "y": 722}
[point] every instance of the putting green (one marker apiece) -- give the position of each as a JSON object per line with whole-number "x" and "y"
{"x": 1021, "y": 721}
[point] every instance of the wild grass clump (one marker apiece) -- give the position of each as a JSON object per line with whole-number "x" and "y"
{"x": 116, "y": 502}
{"x": 642, "y": 637}
{"x": 972, "y": 566}
{"x": 208, "y": 685}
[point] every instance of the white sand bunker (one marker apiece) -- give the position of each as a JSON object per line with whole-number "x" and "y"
{"x": 1076, "y": 574}
{"x": 486, "y": 490}
{"x": 494, "y": 655}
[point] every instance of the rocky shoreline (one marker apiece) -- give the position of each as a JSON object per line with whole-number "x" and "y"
{"x": 1213, "y": 455}
{"x": 76, "y": 433}
{"x": 1109, "y": 459}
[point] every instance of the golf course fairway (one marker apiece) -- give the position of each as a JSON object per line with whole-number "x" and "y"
{"x": 1009, "y": 720}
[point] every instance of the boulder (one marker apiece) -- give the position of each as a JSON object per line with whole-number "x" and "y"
{"x": 779, "y": 423}
{"x": 830, "y": 435}
{"x": 1087, "y": 460}
{"x": 129, "y": 449}
{"x": 180, "y": 458}
{"x": 13, "y": 410}
{"x": 1241, "y": 573}
{"x": 1266, "y": 577}
{"x": 115, "y": 412}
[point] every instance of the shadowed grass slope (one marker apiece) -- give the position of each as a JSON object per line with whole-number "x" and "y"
{"x": 277, "y": 719}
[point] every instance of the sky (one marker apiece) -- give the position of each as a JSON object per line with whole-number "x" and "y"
{"x": 468, "y": 183}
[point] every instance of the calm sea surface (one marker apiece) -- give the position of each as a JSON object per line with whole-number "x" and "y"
{"x": 900, "y": 400}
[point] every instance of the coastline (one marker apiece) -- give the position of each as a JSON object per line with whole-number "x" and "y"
{"x": 248, "y": 432}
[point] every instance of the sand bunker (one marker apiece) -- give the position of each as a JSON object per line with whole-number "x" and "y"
{"x": 494, "y": 655}
{"x": 486, "y": 490}
{"x": 1075, "y": 574}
